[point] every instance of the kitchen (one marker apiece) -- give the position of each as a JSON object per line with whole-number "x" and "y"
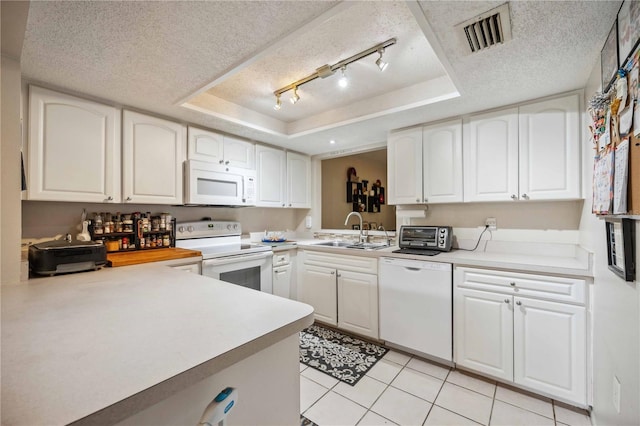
{"x": 569, "y": 221}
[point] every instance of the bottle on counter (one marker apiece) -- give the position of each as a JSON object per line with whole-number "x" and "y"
{"x": 98, "y": 228}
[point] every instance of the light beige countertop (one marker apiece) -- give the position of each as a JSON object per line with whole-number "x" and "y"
{"x": 97, "y": 347}
{"x": 548, "y": 258}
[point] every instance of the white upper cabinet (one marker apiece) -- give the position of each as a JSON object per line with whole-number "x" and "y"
{"x": 153, "y": 151}
{"x": 526, "y": 153}
{"x": 550, "y": 149}
{"x": 73, "y": 149}
{"x": 271, "y": 169}
{"x": 442, "y": 162}
{"x": 491, "y": 156}
{"x": 404, "y": 167}
{"x": 284, "y": 178}
{"x": 298, "y": 181}
{"x": 206, "y": 146}
{"x": 212, "y": 147}
{"x": 424, "y": 165}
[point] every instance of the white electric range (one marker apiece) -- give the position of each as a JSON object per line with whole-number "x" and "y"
{"x": 224, "y": 256}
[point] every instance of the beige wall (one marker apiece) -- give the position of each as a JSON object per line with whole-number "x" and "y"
{"x": 556, "y": 215}
{"x": 370, "y": 166}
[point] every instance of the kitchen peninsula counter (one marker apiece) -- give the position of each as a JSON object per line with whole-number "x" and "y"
{"x": 98, "y": 347}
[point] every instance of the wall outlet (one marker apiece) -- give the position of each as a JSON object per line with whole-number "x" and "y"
{"x": 615, "y": 395}
{"x": 492, "y": 223}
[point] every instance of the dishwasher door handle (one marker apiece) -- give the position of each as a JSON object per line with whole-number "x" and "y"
{"x": 408, "y": 268}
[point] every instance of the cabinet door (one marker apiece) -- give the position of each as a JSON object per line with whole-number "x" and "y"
{"x": 490, "y": 149}
{"x": 74, "y": 149}
{"x": 271, "y": 170}
{"x": 550, "y": 348}
{"x": 298, "y": 181}
{"x": 239, "y": 153}
{"x": 442, "y": 162}
{"x": 317, "y": 287}
{"x": 206, "y": 146}
{"x": 152, "y": 157}
{"x": 282, "y": 281}
{"x": 483, "y": 330}
{"x": 550, "y": 149}
{"x": 404, "y": 167}
{"x": 358, "y": 303}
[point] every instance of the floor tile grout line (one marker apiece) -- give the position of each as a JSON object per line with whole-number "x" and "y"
{"x": 526, "y": 409}
{"x": 493, "y": 403}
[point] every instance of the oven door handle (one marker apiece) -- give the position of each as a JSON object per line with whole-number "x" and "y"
{"x": 235, "y": 259}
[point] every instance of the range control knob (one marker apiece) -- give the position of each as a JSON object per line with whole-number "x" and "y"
{"x": 190, "y": 228}
{"x": 235, "y": 226}
{"x": 229, "y": 227}
{"x": 181, "y": 229}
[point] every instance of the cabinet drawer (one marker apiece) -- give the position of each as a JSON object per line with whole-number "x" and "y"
{"x": 368, "y": 265}
{"x": 281, "y": 258}
{"x": 529, "y": 285}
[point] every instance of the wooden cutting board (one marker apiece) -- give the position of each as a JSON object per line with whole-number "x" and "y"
{"x": 150, "y": 255}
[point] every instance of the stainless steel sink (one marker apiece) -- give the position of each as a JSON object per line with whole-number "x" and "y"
{"x": 350, "y": 245}
{"x": 334, "y": 244}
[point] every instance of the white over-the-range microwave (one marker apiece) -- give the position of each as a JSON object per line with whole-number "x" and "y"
{"x": 217, "y": 184}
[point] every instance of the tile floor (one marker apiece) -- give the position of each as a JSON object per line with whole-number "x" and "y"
{"x": 405, "y": 390}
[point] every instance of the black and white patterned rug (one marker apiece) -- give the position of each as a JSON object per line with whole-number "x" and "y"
{"x": 339, "y": 355}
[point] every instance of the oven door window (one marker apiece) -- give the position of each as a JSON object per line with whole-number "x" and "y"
{"x": 248, "y": 277}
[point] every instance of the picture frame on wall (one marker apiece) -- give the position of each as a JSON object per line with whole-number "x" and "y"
{"x": 609, "y": 58}
{"x": 620, "y": 247}
{"x": 628, "y": 29}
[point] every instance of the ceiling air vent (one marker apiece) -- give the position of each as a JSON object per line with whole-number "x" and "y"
{"x": 486, "y": 30}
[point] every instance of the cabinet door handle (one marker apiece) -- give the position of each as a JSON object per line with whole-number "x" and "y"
{"x": 425, "y": 200}
{"x": 128, "y": 199}
{"x": 512, "y": 284}
{"x": 332, "y": 272}
{"x": 109, "y": 198}
{"x": 289, "y": 204}
{"x": 518, "y": 303}
{"x": 226, "y": 162}
{"x": 221, "y": 161}
{"x": 417, "y": 200}
{"x": 506, "y": 300}
{"x": 525, "y": 196}
{"x": 283, "y": 204}
{"x": 339, "y": 275}
{"x": 514, "y": 197}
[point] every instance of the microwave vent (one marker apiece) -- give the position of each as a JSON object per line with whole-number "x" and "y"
{"x": 487, "y": 29}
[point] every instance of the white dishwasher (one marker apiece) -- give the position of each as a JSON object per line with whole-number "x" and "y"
{"x": 416, "y": 299}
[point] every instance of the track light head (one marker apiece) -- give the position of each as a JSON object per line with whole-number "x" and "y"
{"x": 278, "y": 104}
{"x": 295, "y": 98}
{"x": 344, "y": 81}
{"x": 379, "y": 62}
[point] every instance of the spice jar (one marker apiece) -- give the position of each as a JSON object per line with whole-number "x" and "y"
{"x": 166, "y": 241}
{"x": 125, "y": 243}
{"x": 97, "y": 224}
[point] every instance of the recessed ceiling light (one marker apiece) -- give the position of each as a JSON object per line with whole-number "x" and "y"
{"x": 332, "y": 141}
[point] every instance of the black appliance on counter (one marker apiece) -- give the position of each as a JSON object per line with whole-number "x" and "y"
{"x": 67, "y": 255}
{"x": 425, "y": 240}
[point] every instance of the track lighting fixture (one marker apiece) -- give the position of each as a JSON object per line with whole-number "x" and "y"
{"x": 328, "y": 70}
{"x": 379, "y": 62}
{"x": 344, "y": 81}
{"x": 295, "y": 98}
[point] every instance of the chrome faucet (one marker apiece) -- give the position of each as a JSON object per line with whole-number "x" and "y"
{"x": 386, "y": 234}
{"x": 363, "y": 237}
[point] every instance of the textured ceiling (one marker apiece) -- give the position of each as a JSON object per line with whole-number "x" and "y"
{"x": 152, "y": 55}
{"x": 357, "y": 28}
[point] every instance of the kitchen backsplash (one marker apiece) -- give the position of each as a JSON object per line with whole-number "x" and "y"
{"x": 42, "y": 219}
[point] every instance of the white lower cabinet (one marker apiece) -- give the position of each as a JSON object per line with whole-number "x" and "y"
{"x": 343, "y": 290}
{"x": 523, "y": 328}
